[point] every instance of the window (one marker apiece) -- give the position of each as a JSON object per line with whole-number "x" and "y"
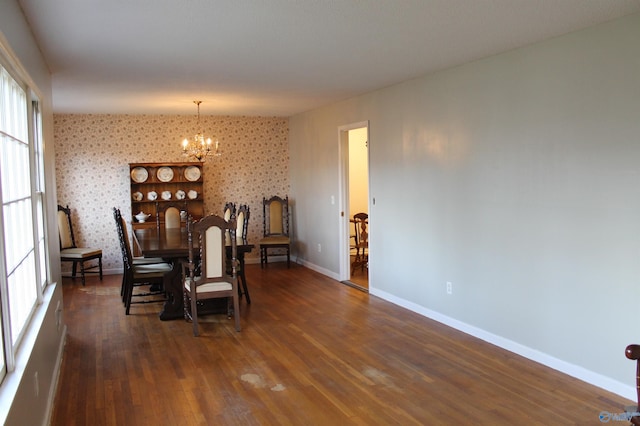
{"x": 22, "y": 236}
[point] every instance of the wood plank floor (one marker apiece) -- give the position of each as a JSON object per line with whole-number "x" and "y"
{"x": 312, "y": 352}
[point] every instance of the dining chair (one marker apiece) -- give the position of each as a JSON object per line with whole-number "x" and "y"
{"x": 213, "y": 279}
{"x": 228, "y": 213}
{"x": 242, "y": 224}
{"x": 125, "y": 239}
{"x": 70, "y": 252}
{"x": 360, "y": 221}
{"x": 633, "y": 352}
{"x": 168, "y": 212}
{"x": 275, "y": 227}
{"x": 142, "y": 274}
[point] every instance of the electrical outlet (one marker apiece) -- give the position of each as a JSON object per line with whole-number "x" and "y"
{"x": 449, "y": 287}
{"x": 319, "y": 248}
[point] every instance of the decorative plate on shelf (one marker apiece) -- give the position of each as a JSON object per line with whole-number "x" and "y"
{"x": 192, "y": 173}
{"x": 180, "y": 194}
{"x": 139, "y": 174}
{"x": 166, "y": 195}
{"x": 192, "y": 195}
{"x": 152, "y": 196}
{"x": 137, "y": 196}
{"x": 165, "y": 174}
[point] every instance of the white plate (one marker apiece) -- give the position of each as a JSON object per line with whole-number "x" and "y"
{"x": 192, "y": 195}
{"x": 180, "y": 194}
{"x": 139, "y": 174}
{"x": 152, "y": 196}
{"x": 166, "y": 195}
{"x": 192, "y": 173}
{"x": 137, "y": 196}
{"x": 165, "y": 174}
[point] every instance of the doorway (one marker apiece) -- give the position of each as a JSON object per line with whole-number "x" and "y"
{"x": 354, "y": 153}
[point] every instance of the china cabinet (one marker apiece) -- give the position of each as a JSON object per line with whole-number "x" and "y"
{"x": 155, "y": 185}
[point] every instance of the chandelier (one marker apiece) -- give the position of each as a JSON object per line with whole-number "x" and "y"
{"x": 198, "y": 148}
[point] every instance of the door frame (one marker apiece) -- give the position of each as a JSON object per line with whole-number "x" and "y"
{"x": 343, "y": 158}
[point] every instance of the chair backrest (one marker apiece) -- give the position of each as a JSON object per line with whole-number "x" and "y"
{"x": 169, "y": 213}
{"x": 125, "y": 247}
{"x": 275, "y": 216}
{"x": 123, "y": 230}
{"x": 360, "y": 221}
{"x": 65, "y": 229}
{"x": 210, "y": 232}
{"x": 172, "y": 218}
{"x": 228, "y": 213}
{"x": 242, "y": 223}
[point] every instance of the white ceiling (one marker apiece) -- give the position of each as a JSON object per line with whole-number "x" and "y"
{"x": 276, "y": 57}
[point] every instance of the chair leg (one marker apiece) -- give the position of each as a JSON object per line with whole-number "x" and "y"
{"x": 245, "y": 290}
{"x": 122, "y": 288}
{"x": 288, "y": 258}
{"x": 74, "y": 269}
{"x": 236, "y": 312}
{"x": 82, "y": 272}
{"x": 100, "y": 264}
{"x": 194, "y": 315}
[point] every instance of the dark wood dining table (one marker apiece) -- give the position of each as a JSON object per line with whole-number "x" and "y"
{"x": 172, "y": 245}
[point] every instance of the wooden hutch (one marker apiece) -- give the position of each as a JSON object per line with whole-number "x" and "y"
{"x": 179, "y": 184}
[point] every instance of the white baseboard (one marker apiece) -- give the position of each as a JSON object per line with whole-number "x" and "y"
{"x": 572, "y": 370}
{"x": 318, "y": 269}
{"x": 54, "y": 386}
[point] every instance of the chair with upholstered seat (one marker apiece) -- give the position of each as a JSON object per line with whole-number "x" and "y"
{"x": 141, "y": 274}
{"x": 70, "y": 252}
{"x": 213, "y": 280}
{"x": 275, "y": 228}
{"x": 242, "y": 224}
{"x": 229, "y": 211}
{"x": 124, "y": 239}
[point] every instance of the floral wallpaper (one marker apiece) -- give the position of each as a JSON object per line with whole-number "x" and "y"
{"x": 93, "y": 153}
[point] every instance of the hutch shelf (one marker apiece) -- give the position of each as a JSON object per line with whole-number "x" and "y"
{"x": 179, "y": 184}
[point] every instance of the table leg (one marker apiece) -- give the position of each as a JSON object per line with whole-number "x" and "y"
{"x": 174, "y": 306}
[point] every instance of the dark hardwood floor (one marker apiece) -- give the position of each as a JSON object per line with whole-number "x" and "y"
{"x": 311, "y": 352}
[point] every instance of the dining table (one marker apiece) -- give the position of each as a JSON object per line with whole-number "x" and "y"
{"x": 172, "y": 245}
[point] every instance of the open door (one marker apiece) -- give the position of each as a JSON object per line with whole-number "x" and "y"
{"x": 354, "y": 182}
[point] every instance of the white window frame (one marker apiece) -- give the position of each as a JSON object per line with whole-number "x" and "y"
{"x": 38, "y": 246}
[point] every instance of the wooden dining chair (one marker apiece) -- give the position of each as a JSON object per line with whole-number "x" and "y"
{"x": 228, "y": 213}
{"x": 633, "y": 352}
{"x": 168, "y": 213}
{"x": 141, "y": 274}
{"x": 242, "y": 224}
{"x": 125, "y": 239}
{"x": 275, "y": 227}
{"x": 360, "y": 222}
{"x": 70, "y": 252}
{"x": 213, "y": 279}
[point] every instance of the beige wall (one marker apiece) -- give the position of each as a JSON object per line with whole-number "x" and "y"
{"x": 93, "y": 153}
